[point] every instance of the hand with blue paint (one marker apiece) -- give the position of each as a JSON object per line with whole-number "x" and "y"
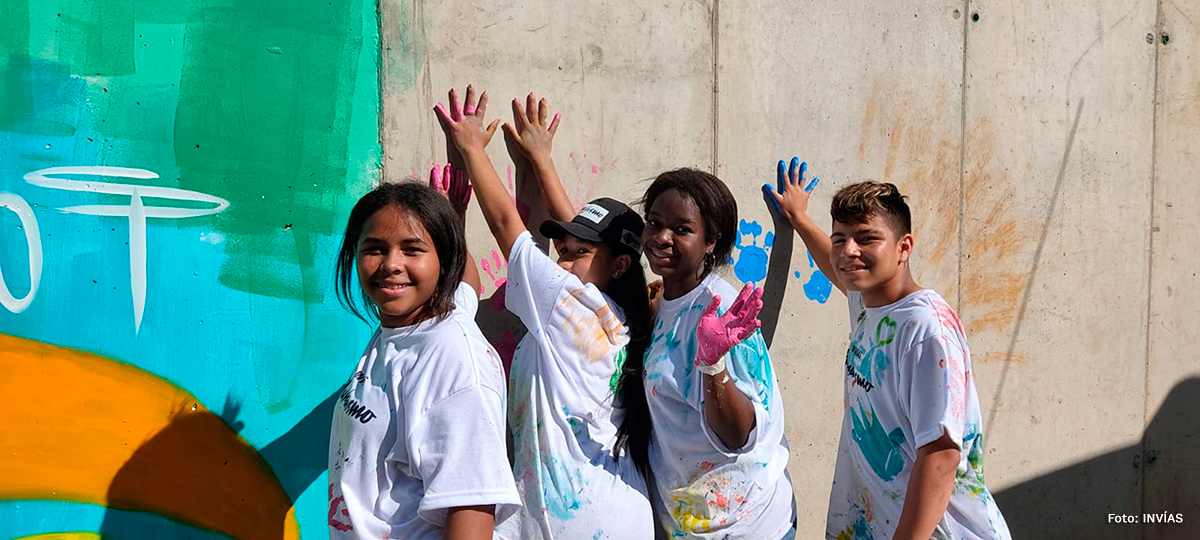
{"x": 791, "y": 198}
{"x": 791, "y": 202}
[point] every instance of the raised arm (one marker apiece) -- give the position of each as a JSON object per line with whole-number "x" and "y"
{"x": 791, "y": 201}
{"x": 471, "y": 136}
{"x": 534, "y": 136}
{"x": 451, "y": 182}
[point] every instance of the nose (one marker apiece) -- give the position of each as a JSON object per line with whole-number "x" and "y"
{"x": 661, "y": 236}
{"x": 565, "y": 265}
{"x": 851, "y": 248}
{"x": 393, "y": 263}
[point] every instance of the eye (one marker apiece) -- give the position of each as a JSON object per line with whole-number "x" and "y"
{"x": 369, "y": 251}
{"x": 683, "y": 230}
{"x": 838, "y": 241}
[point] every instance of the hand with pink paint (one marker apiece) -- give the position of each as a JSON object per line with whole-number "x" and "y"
{"x": 531, "y": 130}
{"x": 451, "y": 182}
{"x": 464, "y": 123}
{"x": 717, "y": 334}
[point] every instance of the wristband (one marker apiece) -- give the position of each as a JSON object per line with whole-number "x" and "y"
{"x": 712, "y": 369}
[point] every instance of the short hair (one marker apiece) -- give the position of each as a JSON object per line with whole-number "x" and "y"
{"x": 858, "y": 203}
{"x": 717, "y": 208}
{"x": 440, "y": 221}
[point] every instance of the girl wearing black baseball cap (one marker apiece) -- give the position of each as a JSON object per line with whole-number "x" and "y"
{"x": 577, "y": 408}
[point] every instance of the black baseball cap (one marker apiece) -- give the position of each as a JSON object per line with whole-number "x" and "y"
{"x": 603, "y": 221}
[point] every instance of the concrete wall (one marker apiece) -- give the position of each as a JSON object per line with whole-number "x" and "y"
{"x": 1046, "y": 150}
{"x": 1049, "y": 152}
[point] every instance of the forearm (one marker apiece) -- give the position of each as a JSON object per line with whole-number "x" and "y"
{"x": 817, "y": 243}
{"x": 471, "y": 273}
{"x": 498, "y": 209}
{"x": 554, "y": 196}
{"x": 929, "y": 490}
{"x": 729, "y": 412}
{"x": 470, "y": 523}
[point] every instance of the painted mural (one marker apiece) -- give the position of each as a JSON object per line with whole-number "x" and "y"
{"x": 173, "y": 180}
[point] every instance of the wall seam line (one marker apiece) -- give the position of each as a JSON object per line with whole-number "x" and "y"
{"x": 716, "y": 94}
{"x": 962, "y": 159}
{"x": 1158, "y": 23}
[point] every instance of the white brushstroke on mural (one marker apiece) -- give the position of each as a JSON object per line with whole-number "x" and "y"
{"x": 33, "y": 239}
{"x": 137, "y": 212}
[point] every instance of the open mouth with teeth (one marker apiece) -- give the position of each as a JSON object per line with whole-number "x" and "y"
{"x": 657, "y": 255}
{"x": 391, "y": 289}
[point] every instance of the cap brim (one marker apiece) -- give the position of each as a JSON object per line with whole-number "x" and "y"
{"x": 557, "y": 229}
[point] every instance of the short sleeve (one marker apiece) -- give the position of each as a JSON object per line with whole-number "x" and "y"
{"x": 466, "y": 300}
{"x": 934, "y": 397}
{"x": 856, "y": 308}
{"x": 534, "y": 282}
{"x": 461, "y": 456}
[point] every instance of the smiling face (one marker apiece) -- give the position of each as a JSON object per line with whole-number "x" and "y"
{"x": 590, "y": 262}
{"x": 675, "y": 242}
{"x": 397, "y": 266}
{"x": 869, "y": 258}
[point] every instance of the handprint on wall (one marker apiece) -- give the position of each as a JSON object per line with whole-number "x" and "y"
{"x": 818, "y": 287}
{"x": 751, "y": 263}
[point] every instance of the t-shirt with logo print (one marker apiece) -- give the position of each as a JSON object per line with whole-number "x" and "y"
{"x": 907, "y": 381}
{"x": 419, "y": 429}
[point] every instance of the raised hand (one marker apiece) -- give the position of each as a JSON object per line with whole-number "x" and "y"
{"x": 717, "y": 334}
{"x": 464, "y": 123}
{"x": 451, "y": 182}
{"x": 530, "y": 130}
{"x": 791, "y": 199}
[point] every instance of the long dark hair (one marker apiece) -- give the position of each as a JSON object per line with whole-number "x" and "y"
{"x": 629, "y": 291}
{"x": 444, "y": 228}
{"x": 717, "y": 208}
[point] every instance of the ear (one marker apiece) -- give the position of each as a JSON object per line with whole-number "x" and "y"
{"x": 906, "y": 247}
{"x": 621, "y": 265}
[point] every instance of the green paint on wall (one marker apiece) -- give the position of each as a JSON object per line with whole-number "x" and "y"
{"x": 264, "y": 119}
{"x": 404, "y": 60}
{"x": 15, "y": 92}
{"x": 95, "y": 37}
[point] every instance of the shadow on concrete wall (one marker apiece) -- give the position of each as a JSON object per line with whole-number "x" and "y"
{"x": 1164, "y": 468}
{"x": 778, "y": 270}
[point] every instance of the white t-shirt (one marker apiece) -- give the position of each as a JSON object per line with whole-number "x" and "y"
{"x": 419, "y": 429}
{"x": 704, "y": 489}
{"x": 908, "y": 379}
{"x": 561, "y": 413}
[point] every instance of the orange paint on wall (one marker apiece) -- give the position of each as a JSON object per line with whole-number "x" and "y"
{"x": 81, "y": 427}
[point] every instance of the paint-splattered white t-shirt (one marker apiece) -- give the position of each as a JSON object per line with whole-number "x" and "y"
{"x": 418, "y": 430}
{"x": 704, "y": 489}
{"x": 561, "y": 412}
{"x": 908, "y": 380}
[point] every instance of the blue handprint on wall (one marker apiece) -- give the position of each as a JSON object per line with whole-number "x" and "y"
{"x": 751, "y": 264}
{"x": 818, "y": 287}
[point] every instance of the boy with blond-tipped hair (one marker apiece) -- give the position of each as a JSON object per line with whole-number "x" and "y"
{"x": 910, "y": 458}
